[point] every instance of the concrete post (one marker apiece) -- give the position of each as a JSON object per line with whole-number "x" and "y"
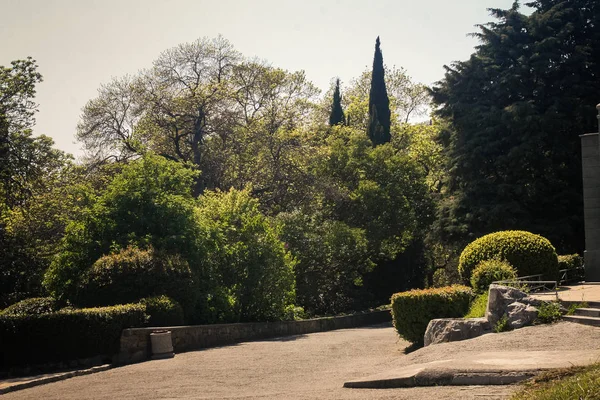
{"x": 590, "y": 161}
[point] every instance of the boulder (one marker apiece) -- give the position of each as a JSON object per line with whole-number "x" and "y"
{"x": 520, "y": 315}
{"x": 451, "y": 330}
{"x": 500, "y": 297}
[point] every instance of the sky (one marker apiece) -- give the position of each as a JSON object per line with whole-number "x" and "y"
{"x": 81, "y": 44}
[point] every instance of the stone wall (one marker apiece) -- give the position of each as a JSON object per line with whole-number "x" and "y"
{"x": 135, "y": 342}
{"x": 590, "y": 155}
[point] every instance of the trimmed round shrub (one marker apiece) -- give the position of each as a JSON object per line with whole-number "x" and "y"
{"x": 33, "y": 306}
{"x": 489, "y": 271}
{"x": 162, "y": 311}
{"x": 528, "y": 253}
{"x": 413, "y": 310}
{"x": 133, "y": 274}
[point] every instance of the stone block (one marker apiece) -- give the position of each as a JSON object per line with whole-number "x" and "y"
{"x": 451, "y": 330}
{"x": 520, "y": 314}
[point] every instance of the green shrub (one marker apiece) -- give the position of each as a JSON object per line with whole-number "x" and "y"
{"x": 441, "y": 278}
{"x": 33, "y": 306}
{"x": 570, "y": 261}
{"x": 66, "y": 334}
{"x": 549, "y": 312}
{"x": 162, "y": 311}
{"x": 478, "y": 306}
{"x": 530, "y": 254}
{"x": 413, "y": 310}
{"x": 489, "y": 271}
{"x": 253, "y": 271}
{"x": 502, "y": 325}
{"x": 132, "y": 274}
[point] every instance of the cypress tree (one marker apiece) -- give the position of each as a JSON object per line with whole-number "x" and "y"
{"x": 379, "y": 103}
{"x": 337, "y": 113}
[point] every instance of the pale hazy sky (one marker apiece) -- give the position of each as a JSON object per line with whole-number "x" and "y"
{"x": 80, "y": 44}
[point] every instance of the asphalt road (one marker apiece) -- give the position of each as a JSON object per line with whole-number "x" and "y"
{"x": 313, "y": 366}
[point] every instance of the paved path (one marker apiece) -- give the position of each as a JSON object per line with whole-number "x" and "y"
{"x": 582, "y": 292}
{"x": 311, "y": 366}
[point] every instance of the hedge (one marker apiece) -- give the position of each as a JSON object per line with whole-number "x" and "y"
{"x": 32, "y": 306}
{"x": 530, "y": 254}
{"x": 570, "y": 261}
{"x": 413, "y": 310}
{"x": 65, "y": 335}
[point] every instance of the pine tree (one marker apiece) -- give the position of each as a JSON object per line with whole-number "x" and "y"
{"x": 515, "y": 109}
{"x": 379, "y": 103}
{"x": 337, "y": 113}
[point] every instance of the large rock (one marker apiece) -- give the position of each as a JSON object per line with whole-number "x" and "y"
{"x": 451, "y": 330}
{"x": 500, "y": 297}
{"x": 520, "y": 315}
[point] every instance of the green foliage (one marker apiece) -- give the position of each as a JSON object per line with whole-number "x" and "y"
{"x": 148, "y": 204}
{"x": 502, "y": 325}
{"x": 132, "y": 274}
{"x": 489, "y": 271}
{"x": 549, "y": 312}
{"x": 337, "y": 113}
{"x": 441, "y": 278}
{"x": 332, "y": 259}
{"x": 478, "y": 306}
{"x": 162, "y": 311}
{"x": 32, "y": 306}
{"x": 252, "y": 270}
{"x": 413, "y": 310}
{"x": 516, "y": 108}
{"x": 563, "y": 384}
{"x": 379, "y": 103}
{"x": 65, "y": 335}
{"x": 570, "y": 261}
{"x": 528, "y": 253}
{"x": 379, "y": 189}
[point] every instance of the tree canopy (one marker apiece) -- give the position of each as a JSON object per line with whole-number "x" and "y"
{"x": 516, "y": 108}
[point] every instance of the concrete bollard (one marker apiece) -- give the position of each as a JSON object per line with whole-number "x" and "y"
{"x": 162, "y": 345}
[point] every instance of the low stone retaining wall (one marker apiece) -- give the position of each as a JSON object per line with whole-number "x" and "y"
{"x": 135, "y": 342}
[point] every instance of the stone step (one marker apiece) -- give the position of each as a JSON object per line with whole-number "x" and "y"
{"x": 590, "y": 304}
{"x": 580, "y": 319}
{"x": 588, "y": 312}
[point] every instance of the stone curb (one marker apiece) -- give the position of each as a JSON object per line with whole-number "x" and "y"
{"x": 445, "y": 377}
{"x": 53, "y": 378}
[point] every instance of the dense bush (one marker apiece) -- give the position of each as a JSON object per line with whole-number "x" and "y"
{"x": 132, "y": 274}
{"x": 162, "y": 311}
{"x": 489, "y": 271}
{"x": 33, "y": 306}
{"x": 251, "y": 271}
{"x": 530, "y": 254}
{"x": 332, "y": 259}
{"x": 570, "y": 261}
{"x": 65, "y": 335}
{"x": 413, "y": 310}
{"x": 148, "y": 204}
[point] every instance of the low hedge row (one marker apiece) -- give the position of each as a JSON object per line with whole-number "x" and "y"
{"x": 413, "y": 310}
{"x": 66, "y": 334}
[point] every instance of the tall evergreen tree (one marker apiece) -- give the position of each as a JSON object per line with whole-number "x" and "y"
{"x": 516, "y": 108}
{"x": 379, "y": 103}
{"x": 337, "y": 113}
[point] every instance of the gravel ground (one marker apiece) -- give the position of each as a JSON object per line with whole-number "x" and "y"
{"x": 311, "y": 366}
